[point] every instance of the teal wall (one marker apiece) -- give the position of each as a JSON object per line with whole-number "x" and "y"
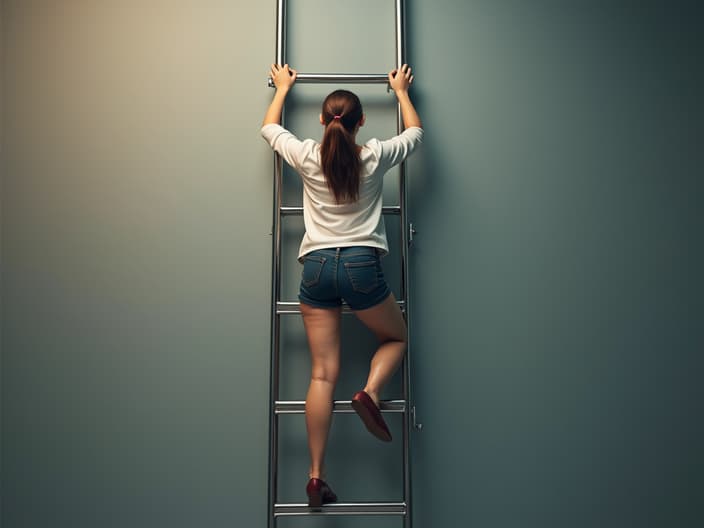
{"x": 136, "y": 210}
{"x": 557, "y": 323}
{"x": 557, "y": 270}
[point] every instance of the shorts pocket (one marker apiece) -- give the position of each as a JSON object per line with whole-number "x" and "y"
{"x": 363, "y": 276}
{"x": 312, "y": 267}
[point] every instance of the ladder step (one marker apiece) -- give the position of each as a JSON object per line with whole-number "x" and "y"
{"x": 339, "y": 406}
{"x": 298, "y": 210}
{"x": 293, "y": 307}
{"x": 337, "y": 78}
{"x": 341, "y": 508}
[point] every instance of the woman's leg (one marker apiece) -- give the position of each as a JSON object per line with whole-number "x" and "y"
{"x": 386, "y": 321}
{"x": 323, "y": 330}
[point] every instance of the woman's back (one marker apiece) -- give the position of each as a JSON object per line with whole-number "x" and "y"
{"x": 350, "y": 223}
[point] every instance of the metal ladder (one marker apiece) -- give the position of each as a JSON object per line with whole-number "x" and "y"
{"x": 282, "y": 308}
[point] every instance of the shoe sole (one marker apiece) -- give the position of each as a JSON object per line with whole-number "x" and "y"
{"x": 370, "y": 422}
{"x": 316, "y": 501}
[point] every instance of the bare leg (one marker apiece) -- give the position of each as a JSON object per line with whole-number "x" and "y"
{"x": 323, "y": 330}
{"x": 387, "y": 323}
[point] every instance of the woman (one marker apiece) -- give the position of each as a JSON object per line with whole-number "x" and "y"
{"x": 344, "y": 240}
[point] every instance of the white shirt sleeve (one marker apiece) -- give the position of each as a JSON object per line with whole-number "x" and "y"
{"x": 398, "y": 148}
{"x": 285, "y": 143}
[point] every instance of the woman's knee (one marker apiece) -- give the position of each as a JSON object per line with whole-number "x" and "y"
{"x": 392, "y": 333}
{"x": 325, "y": 373}
{"x": 399, "y": 341}
{"x": 401, "y": 344}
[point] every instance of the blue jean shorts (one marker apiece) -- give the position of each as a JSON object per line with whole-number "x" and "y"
{"x": 352, "y": 274}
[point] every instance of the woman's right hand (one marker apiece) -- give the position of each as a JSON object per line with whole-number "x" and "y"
{"x": 400, "y": 78}
{"x": 283, "y": 76}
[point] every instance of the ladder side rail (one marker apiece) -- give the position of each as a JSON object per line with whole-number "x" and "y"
{"x": 276, "y": 271}
{"x": 280, "y": 31}
{"x": 400, "y": 22}
{"x": 275, "y": 339}
{"x": 276, "y": 294}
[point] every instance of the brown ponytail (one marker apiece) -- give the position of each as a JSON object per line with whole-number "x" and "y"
{"x": 339, "y": 155}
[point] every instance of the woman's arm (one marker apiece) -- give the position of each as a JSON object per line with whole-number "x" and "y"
{"x": 284, "y": 78}
{"x": 400, "y": 80}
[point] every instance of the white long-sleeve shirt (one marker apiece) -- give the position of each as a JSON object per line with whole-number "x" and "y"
{"x": 327, "y": 223}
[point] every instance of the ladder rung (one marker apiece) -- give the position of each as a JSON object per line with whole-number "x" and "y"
{"x": 298, "y": 210}
{"x": 341, "y": 508}
{"x": 336, "y": 78}
{"x": 293, "y": 307}
{"x": 339, "y": 406}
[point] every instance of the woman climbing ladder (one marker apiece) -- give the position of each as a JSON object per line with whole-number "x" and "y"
{"x": 344, "y": 241}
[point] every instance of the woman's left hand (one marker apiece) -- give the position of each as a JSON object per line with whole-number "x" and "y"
{"x": 283, "y": 76}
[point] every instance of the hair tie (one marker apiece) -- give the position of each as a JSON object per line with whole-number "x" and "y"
{"x": 337, "y": 117}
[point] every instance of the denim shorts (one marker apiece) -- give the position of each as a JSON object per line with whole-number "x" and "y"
{"x": 352, "y": 274}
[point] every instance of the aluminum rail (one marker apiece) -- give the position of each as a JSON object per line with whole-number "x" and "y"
{"x": 353, "y": 508}
{"x": 276, "y": 289}
{"x": 409, "y": 416}
{"x": 279, "y": 308}
{"x": 294, "y": 307}
{"x": 339, "y": 406}
{"x": 339, "y": 78}
{"x": 291, "y": 210}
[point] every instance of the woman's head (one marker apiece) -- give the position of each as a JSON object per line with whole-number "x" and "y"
{"x": 342, "y": 106}
{"x": 342, "y": 115}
